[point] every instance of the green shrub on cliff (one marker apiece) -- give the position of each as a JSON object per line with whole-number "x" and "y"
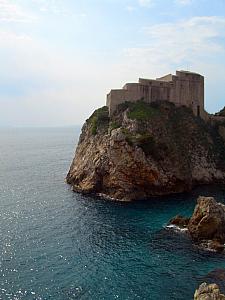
{"x": 99, "y": 119}
{"x": 142, "y": 111}
{"x": 144, "y": 140}
{"x": 114, "y": 125}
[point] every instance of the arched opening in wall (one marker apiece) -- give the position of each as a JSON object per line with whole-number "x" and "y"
{"x": 198, "y": 111}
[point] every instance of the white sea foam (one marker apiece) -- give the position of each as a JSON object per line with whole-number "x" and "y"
{"x": 101, "y": 195}
{"x": 176, "y": 228}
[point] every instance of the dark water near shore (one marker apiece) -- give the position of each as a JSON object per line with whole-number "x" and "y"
{"x": 59, "y": 245}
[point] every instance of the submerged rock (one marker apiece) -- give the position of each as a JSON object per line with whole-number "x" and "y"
{"x": 207, "y": 224}
{"x": 180, "y": 221}
{"x": 145, "y": 150}
{"x": 208, "y": 292}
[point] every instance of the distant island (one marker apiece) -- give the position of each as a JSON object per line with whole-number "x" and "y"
{"x": 152, "y": 138}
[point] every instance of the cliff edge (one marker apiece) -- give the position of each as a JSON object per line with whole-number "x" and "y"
{"x": 145, "y": 150}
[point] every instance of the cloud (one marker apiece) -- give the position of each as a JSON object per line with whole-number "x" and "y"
{"x": 10, "y": 12}
{"x": 181, "y": 41}
{"x": 10, "y": 38}
{"x": 149, "y": 3}
{"x": 56, "y": 7}
{"x": 130, "y": 8}
{"x": 146, "y": 3}
{"x": 42, "y": 85}
{"x": 184, "y": 2}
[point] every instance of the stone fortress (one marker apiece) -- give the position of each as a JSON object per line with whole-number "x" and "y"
{"x": 184, "y": 88}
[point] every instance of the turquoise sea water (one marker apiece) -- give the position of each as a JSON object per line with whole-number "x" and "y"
{"x": 56, "y": 244}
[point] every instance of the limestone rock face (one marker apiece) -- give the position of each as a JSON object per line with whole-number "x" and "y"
{"x": 145, "y": 150}
{"x": 208, "y": 221}
{"x": 208, "y": 292}
{"x": 207, "y": 224}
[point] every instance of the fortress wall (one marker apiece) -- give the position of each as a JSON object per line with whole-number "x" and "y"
{"x": 145, "y": 81}
{"x": 160, "y": 93}
{"x": 151, "y": 82}
{"x": 154, "y": 91}
{"x": 168, "y": 77}
{"x": 185, "y": 89}
{"x": 189, "y": 91}
{"x": 136, "y": 91}
{"x": 114, "y": 98}
{"x": 132, "y": 94}
{"x": 202, "y": 96}
{"x": 182, "y": 93}
{"x": 157, "y": 90}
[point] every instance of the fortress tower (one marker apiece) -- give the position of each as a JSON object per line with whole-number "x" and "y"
{"x": 184, "y": 88}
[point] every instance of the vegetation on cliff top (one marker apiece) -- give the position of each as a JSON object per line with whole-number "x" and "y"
{"x": 139, "y": 110}
{"x": 99, "y": 119}
{"x": 142, "y": 112}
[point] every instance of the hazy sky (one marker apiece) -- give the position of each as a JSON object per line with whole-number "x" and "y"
{"x": 59, "y": 58}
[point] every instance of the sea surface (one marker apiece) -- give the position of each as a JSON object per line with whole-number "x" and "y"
{"x": 57, "y": 244}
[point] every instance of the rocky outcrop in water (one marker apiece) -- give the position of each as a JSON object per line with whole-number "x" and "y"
{"x": 207, "y": 224}
{"x": 145, "y": 150}
{"x": 216, "y": 276}
{"x": 208, "y": 292}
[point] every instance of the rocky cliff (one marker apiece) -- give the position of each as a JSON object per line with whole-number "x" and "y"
{"x": 145, "y": 150}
